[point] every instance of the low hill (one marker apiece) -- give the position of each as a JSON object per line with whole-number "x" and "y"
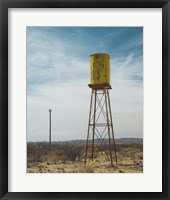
{"x": 117, "y": 140}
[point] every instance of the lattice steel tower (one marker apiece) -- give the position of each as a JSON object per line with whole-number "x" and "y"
{"x": 100, "y": 134}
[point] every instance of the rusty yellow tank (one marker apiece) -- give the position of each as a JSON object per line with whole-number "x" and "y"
{"x": 99, "y": 68}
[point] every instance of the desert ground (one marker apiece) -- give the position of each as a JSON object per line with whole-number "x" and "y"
{"x": 70, "y": 158}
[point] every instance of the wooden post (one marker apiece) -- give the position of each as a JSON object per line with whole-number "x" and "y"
{"x": 50, "y": 126}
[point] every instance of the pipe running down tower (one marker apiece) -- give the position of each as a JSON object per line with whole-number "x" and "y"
{"x": 100, "y": 134}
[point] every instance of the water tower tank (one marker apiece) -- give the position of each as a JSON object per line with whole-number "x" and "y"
{"x": 99, "y": 68}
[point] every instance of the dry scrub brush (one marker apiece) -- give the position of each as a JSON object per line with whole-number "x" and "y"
{"x": 43, "y": 152}
{"x": 73, "y": 152}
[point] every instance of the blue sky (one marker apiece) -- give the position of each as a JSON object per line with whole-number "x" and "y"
{"x": 58, "y": 74}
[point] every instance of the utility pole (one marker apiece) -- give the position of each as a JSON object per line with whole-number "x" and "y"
{"x": 50, "y": 126}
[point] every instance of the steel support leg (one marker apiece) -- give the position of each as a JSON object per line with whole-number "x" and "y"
{"x": 108, "y": 126}
{"x": 94, "y": 117}
{"x": 91, "y": 101}
{"x": 112, "y": 127}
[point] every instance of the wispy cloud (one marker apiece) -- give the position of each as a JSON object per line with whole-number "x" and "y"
{"x": 58, "y": 73}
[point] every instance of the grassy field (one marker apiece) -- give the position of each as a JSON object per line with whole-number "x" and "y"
{"x": 69, "y": 158}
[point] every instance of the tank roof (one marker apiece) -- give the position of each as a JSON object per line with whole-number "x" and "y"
{"x": 99, "y": 54}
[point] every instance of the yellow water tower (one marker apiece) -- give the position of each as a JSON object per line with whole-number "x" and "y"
{"x": 100, "y": 126}
{"x": 100, "y": 68}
